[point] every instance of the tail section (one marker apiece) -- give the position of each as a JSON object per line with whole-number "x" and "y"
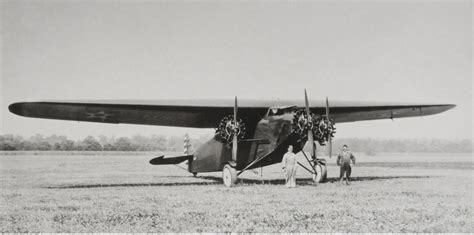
{"x": 162, "y": 160}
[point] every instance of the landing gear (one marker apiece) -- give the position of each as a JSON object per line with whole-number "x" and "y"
{"x": 229, "y": 176}
{"x": 195, "y": 174}
{"x": 321, "y": 173}
{"x": 318, "y": 168}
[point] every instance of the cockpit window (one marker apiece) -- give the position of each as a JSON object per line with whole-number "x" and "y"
{"x": 277, "y": 111}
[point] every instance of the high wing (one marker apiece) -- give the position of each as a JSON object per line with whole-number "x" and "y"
{"x": 208, "y": 113}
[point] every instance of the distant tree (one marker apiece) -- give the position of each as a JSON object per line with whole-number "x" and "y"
{"x": 124, "y": 144}
{"x": 7, "y": 143}
{"x": 67, "y": 145}
{"x": 57, "y": 147}
{"x": 103, "y": 140}
{"x": 43, "y": 146}
{"x": 37, "y": 138}
{"x": 368, "y": 146}
{"x": 175, "y": 143}
{"x": 53, "y": 139}
{"x": 141, "y": 143}
{"x": 28, "y": 145}
{"x": 466, "y": 146}
{"x": 158, "y": 142}
{"x": 109, "y": 147}
{"x": 79, "y": 145}
{"x": 91, "y": 144}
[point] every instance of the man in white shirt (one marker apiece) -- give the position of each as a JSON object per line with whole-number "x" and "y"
{"x": 289, "y": 166}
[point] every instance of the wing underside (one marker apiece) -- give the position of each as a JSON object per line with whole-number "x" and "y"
{"x": 206, "y": 115}
{"x": 161, "y": 115}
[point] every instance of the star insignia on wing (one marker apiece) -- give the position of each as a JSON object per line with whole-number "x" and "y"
{"x": 100, "y": 115}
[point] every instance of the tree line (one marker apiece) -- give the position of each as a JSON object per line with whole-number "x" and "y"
{"x": 369, "y": 146}
{"x": 90, "y": 143}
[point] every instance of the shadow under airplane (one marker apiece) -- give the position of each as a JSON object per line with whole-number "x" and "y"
{"x": 213, "y": 180}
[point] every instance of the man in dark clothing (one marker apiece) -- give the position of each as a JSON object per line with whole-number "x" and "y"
{"x": 344, "y": 160}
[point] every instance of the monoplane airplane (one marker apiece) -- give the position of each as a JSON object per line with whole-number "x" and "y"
{"x": 253, "y": 134}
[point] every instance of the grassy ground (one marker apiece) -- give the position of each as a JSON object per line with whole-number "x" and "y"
{"x": 390, "y": 193}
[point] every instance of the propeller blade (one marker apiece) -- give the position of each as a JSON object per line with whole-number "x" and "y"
{"x": 234, "y": 139}
{"x": 310, "y": 132}
{"x": 306, "y": 103}
{"x": 329, "y": 133}
{"x": 235, "y": 111}
{"x": 327, "y": 108}
{"x": 330, "y": 146}
{"x": 311, "y": 143}
{"x": 234, "y": 148}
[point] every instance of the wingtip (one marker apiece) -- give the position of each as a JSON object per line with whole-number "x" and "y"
{"x": 439, "y": 108}
{"x": 16, "y": 108}
{"x": 155, "y": 160}
{"x": 448, "y": 106}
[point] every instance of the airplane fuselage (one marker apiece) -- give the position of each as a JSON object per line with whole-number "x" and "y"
{"x": 271, "y": 135}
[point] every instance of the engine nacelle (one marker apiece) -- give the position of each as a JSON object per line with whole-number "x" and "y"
{"x": 227, "y": 129}
{"x": 318, "y": 124}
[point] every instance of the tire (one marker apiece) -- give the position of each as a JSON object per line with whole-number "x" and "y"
{"x": 321, "y": 175}
{"x": 229, "y": 176}
{"x": 195, "y": 174}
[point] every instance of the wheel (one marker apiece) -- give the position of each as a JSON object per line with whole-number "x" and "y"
{"x": 195, "y": 174}
{"x": 229, "y": 176}
{"x": 321, "y": 173}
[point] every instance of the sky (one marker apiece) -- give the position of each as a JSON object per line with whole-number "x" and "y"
{"x": 394, "y": 51}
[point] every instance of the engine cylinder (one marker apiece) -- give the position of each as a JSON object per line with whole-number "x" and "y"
{"x": 320, "y": 126}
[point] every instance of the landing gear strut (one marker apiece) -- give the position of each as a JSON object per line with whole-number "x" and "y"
{"x": 229, "y": 176}
{"x": 317, "y": 168}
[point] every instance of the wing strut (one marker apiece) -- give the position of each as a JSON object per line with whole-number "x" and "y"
{"x": 254, "y": 162}
{"x": 312, "y": 172}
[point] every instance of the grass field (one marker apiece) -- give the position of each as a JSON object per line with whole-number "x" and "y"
{"x": 120, "y": 193}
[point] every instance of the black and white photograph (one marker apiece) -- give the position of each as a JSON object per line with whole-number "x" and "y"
{"x": 236, "y": 116}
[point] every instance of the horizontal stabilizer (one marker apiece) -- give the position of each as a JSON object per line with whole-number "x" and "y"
{"x": 161, "y": 160}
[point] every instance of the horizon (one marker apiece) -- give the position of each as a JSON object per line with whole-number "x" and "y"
{"x": 369, "y": 146}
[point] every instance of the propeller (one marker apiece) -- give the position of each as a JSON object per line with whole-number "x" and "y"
{"x": 329, "y": 132}
{"x": 309, "y": 118}
{"x": 234, "y": 138}
{"x": 314, "y": 127}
